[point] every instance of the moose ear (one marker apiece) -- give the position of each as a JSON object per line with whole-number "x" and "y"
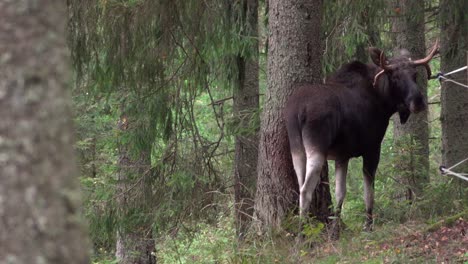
{"x": 404, "y": 115}
{"x": 375, "y": 55}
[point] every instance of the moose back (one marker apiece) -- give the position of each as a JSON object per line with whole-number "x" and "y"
{"x": 347, "y": 117}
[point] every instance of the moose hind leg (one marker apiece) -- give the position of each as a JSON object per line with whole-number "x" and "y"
{"x": 314, "y": 165}
{"x": 299, "y": 162}
{"x": 341, "y": 169}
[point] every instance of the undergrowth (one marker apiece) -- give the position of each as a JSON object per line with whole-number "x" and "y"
{"x": 219, "y": 244}
{"x": 205, "y": 242}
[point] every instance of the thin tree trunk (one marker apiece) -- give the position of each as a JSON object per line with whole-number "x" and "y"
{"x": 411, "y": 140}
{"x": 135, "y": 243}
{"x": 365, "y": 20}
{"x": 245, "y": 110}
{"x": 295, "y": 51}
{"x": 454, "y": 98}
{"x": 39, "y": 195}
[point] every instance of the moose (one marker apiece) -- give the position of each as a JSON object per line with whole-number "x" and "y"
{"x": 347, "y": 117}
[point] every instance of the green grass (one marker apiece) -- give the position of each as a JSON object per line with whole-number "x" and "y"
{"x": 217, "y": 243}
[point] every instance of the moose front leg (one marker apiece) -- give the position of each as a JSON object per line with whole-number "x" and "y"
{"x": 341, "y": 169}
{"x": 369, "y": 168}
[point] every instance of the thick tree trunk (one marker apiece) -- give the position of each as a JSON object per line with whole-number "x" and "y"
{"x": 245, "y": 111}
{"x": 135, "y": 244}
{"x": 411, "y": 140}
{"x": 39, "y": 194}
{"x": 295, "y": 52}
{"x": 454, "y": 98}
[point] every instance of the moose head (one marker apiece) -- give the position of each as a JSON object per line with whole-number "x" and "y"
{"x": 398, "y": 77}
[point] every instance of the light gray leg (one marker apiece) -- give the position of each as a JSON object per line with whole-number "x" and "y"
{"x": 341, "y": 169}
{"x": 313, "y": 168}
{"x": 299, "y": 162}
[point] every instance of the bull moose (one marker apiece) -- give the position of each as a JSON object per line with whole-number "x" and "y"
{"x": 347, "y": 117}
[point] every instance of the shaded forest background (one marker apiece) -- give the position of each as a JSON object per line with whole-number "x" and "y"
{"x": 169, "y": 96}
{"x": 180, "y": 143}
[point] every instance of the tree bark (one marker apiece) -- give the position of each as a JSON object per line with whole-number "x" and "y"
{"x": 245, "y": 111}
{"x": 135, "y": 243}
{"x": 454, "y": 98}
{"x": 295, "y": 51}
{"x": 411, "y": 140}
{"x": 39, "y": 195}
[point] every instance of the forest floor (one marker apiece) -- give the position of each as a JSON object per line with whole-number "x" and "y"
{"x": 419, "y": 241}
{"x": 443, "y": 242}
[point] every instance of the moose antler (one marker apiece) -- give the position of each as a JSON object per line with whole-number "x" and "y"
{"x": 385, "y": 67}
{"x": 421, "y": 62}
{"x": 434, "y": 51}
{"x": 425, "y": 62}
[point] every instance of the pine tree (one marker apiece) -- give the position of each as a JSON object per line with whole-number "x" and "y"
{"x": 245, "y": 108}
{"x": 158, "y": 59}
{"x": 295, "y": 47}
{"x": 412, "y": 139}
{"x": 135, "y": 243}
{"x": 39, "y": 194}
{"x": 454, "y": 117}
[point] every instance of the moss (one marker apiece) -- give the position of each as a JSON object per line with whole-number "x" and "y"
{"x": 449, "y": 221}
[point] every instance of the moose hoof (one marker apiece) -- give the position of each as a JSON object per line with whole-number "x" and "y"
{"x": 335, "y": 229}
{"x": 368, "y": 227}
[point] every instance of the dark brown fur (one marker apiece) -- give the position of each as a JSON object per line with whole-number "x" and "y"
{"x": 347, "y": 117}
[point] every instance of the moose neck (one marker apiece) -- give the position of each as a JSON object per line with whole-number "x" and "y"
{"x": 383, "y": 87}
